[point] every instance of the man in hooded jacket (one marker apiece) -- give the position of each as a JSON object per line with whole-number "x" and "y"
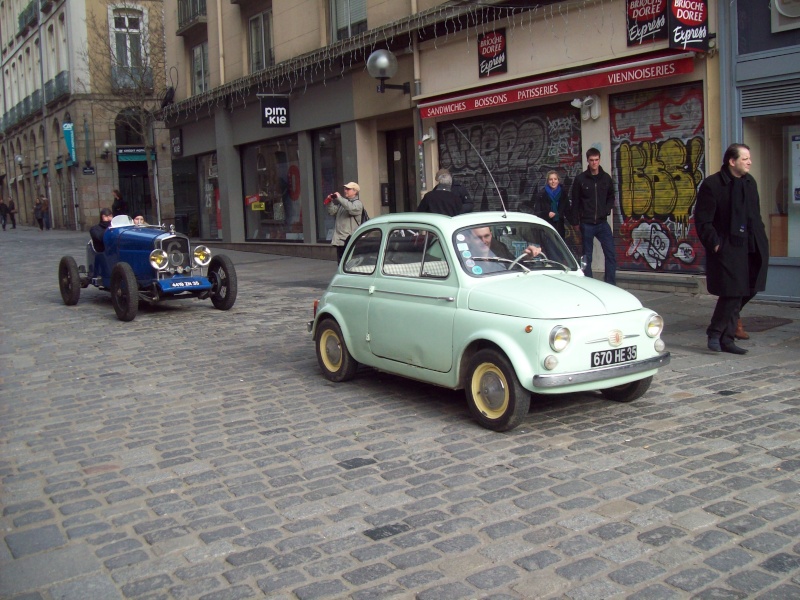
{"x": 728, "y": 220}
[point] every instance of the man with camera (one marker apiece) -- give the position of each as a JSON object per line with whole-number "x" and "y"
{"x": 348, "y": 211}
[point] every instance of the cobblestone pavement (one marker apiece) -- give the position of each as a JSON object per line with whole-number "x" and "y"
{"x": 194, "y": 453}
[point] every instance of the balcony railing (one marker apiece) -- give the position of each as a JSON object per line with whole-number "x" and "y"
{"x": 131, "y": 78}
{"x": 29, "y": 16}
{"x": 191, "y": 15}
{"x": 36, "y": 101}
{"x": 56, "y": 88}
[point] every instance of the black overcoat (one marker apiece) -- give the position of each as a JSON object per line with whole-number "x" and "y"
{"x": 541, "y": 203}
{"x": 732, "y": 270}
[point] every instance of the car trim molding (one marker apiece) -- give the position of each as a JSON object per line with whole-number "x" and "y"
{"x": 603, "y": 373}
{"x": 445, "y": 298}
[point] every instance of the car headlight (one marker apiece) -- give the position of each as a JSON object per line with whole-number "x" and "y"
{"x": 159, "y": 259}
{"x": 655, "y": 325}
{"x": 202, "y": 255}
{"x": 559, "y": 338}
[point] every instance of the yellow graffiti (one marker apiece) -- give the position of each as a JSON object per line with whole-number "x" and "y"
{"x": 660, "y": 179}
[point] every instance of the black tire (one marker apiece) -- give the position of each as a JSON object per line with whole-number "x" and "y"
{"x": 333, "y": 357}
{"x": 124, "y": 292}
{"x": 628, "y": 392}
{"x": 224, "y": 285}
{"x": 495, "y": 396}
{"x": 69, "y": 281}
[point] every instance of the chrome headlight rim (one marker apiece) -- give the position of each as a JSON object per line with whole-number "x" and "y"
{"x": 654, "y": 325}
{"x": 159, "y": 260}
{"x": 201, "y": 255}
{"x": 559, "y": 338}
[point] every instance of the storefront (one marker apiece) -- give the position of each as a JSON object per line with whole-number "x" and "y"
{"x": 762, "y": 48}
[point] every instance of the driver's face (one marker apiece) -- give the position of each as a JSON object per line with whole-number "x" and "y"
{"x": 107, "y": 218}
{"x": 484, "y": 234}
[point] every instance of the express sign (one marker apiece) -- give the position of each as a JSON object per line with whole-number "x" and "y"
{"x": 562, "y": 85}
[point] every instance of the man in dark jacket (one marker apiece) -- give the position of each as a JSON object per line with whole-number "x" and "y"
{"x": 98, "y": 231}
{"x": 592, "y": 201}
{"x": 442, "y": 199}
{"x": 728, "y": 220}
{"x": 456, "y": 188}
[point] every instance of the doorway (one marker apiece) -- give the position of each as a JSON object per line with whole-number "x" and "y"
{"x": 400, "y": 166}
{"x": 134, "y": 186}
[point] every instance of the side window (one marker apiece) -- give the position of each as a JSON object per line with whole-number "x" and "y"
{"x": 415, "y": 253}
{"x": 363, "y": 256}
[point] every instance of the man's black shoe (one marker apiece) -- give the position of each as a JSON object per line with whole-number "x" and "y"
{"x": 713, "y": 344}
{"x": 733, "y": 349}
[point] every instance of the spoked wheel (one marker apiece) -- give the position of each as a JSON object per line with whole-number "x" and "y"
{"x": 628, "y": 392}
{"x": 124, "y": 292}
{"x": 224, "y": 285}
{"x": 69, "y": 281}
{"x": 495, "y": 396}
{"x": 332, "y": 354}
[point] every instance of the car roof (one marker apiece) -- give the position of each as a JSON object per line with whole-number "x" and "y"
{"x": 450, "y": 224}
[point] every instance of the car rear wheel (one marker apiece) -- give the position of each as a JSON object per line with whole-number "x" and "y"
{"x": 495, "y": 396}
{"x": 628, "y": 392}
{"x": 69, "y": 281}
{"x": 124, "y": 292}
{"x": 224, "y": 285}
{"x": 332, "y": 354}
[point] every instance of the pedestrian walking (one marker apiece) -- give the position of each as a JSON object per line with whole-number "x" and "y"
{"x": 46, "y": 212}
{"x": 3, "y": 212}
{"x": 728, "y": 219}
{"x": 38, "y": 214}
{"x": 592, "y": 202}
{"x": 119, "y": 206}
{"x": 349, "y": 213}
{"x": 12, "y": 213}
{"x": 442, "y": 199}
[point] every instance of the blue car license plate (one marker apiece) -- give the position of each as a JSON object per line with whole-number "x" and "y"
{"x": 603, "y": 358}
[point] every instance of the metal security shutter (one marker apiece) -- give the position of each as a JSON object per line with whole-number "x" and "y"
{"x": 771, "y": 99}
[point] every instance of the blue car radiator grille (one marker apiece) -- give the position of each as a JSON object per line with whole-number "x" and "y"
{"x": 177, "y": 249}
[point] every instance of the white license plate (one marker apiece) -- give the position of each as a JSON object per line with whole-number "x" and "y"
{"x": 604, "y": 358}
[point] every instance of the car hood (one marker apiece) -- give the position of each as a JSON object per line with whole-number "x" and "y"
{"x": 550, "y": 296}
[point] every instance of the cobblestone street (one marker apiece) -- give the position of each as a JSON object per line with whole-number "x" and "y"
{"x": 196, "y": 453}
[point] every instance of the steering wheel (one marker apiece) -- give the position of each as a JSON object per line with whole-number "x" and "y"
{"x": 540, "y": 256}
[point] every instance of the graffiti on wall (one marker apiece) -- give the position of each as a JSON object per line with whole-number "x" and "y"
{"x": 519, "y": 148}
{"x": 658, "y": 159}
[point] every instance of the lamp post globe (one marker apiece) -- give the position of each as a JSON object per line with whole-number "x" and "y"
{"x": 382, "y": 64}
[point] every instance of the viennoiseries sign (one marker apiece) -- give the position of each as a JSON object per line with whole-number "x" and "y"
{"x": 492, "y": 53}
{"x": 647, "y": 21}
{"x": 688, "y": 25}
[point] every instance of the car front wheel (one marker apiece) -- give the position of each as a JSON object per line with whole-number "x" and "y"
{"x": 332, "y": 354}
{"x": 224, "y": 285}
{"x": 495, "y": 396}
{"x": 124, "y": 292}
{"x": 628, "y": 392}
{"x": 69, "y": 281}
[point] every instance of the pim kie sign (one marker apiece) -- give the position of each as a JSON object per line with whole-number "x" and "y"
{"x": 492, "y": 53}
{"x": 555, "y": 86}
{"x": 647, "y": 21}
{"x": 688, "y": 25}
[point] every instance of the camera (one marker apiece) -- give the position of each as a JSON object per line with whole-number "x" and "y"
{"x": 330, "y": 197}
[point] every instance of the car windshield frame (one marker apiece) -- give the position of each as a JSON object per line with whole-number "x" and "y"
{"x": 507, "y": 241}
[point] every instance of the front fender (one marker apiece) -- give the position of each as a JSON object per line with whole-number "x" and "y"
{"x": 331, "y": 312}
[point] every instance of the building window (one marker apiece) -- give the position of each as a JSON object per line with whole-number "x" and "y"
{"x": 349, "y": 17}
{"x": 261, "y": 55}
{"x": 128, "y": 38}
{"x": 200, "y": 68}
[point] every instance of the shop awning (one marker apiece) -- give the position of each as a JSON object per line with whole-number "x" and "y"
{"x": 634, "y": 71}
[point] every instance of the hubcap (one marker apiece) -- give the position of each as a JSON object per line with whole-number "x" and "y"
{"x": 492, "y": 390}
{"x": 333, "y": 350}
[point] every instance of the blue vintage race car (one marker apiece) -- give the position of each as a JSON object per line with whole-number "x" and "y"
{"x": 150, "y": 264}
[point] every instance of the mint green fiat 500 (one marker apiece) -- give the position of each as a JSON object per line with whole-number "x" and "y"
{"x": 494, "y": 303}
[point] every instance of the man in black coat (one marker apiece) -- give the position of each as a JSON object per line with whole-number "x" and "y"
{"x": 728, "y": 220}
{"x": 98, "y": 231}
{"x": 442, "y": 199}
{"x": 592, "y": 202}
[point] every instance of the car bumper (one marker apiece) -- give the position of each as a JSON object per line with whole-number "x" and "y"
{"x": 600, "y": 374}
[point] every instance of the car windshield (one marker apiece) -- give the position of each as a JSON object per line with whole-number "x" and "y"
{"x": 494, "y": 247}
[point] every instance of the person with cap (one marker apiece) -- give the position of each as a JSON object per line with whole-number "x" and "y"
{"x": 348, "y": 212}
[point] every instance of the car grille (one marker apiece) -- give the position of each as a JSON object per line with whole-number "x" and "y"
{"x": 177, "y": 249}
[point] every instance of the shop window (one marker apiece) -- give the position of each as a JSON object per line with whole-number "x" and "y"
{"x": 328, "y": 176}
{"x": 349, "y": 18}
{"x": 272, "y": 188}
{"x": 200, "y": 69}
{"x": 260, "y": 33}
{"x": 775, "y": 149}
